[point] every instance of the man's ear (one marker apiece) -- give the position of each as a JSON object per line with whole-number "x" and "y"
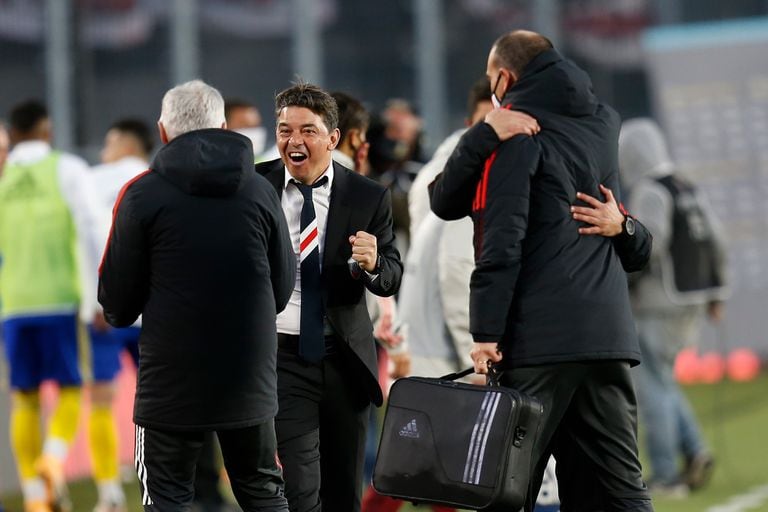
{"x": 163, "y": 133}
{"x": 335, "y": 136}
{"x": 512, "y": 79}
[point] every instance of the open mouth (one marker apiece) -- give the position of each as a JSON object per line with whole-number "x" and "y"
{"x": 297, "y": 157}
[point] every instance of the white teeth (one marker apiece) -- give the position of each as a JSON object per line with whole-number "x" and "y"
{"x": 295, "y": 155}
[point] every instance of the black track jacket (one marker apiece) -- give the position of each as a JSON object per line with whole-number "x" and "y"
{"x": 200, "y": 247}
{"x": 545, "y": 292}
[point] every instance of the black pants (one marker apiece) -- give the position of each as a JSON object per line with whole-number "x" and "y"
{"x": 321, "y": 429}
{"x": 590, "y": 426}
{"x": 166, "y": 460}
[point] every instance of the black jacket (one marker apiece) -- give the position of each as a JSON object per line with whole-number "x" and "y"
{"x": 200, "y": 248}
{"x": 547, "y": 293}
{"x": 357, "y": 204}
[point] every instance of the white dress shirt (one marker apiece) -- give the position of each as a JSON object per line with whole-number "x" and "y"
{"x": 289, "y": 320}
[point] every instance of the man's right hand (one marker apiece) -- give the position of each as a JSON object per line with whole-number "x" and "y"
{"x": 508, "y": 123}
{"x": 484, "y": 354}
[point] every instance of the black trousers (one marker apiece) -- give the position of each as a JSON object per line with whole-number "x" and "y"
{"x": 590, "y": 426}
{"x": 321, "y": 428}
{"x": 166, "y": 461}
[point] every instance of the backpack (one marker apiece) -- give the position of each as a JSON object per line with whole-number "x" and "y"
{"x": 691, "y": 270}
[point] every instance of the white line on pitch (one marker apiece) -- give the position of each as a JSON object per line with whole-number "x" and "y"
{"x": 743, "y": 502}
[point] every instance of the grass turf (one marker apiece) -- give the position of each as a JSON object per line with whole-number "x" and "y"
{"x": 733, "y": 417}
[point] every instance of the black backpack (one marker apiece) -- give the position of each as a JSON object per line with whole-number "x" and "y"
{"x": 693, "y": 265}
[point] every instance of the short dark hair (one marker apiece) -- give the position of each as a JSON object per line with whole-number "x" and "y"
{"x": 311, "y": 97}
{"x": 138, "y": 129}
{"x": 25, "y": 116}
{"x": 516, "y": 49}
{"x": 231, "y": 104}
{"x": 480, "y": 91}
{"x": 352, "y": 114}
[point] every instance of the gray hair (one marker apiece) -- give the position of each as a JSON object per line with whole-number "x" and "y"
{"x": 191, "y": 106}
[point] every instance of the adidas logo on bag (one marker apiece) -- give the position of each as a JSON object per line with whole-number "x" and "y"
{"x": 410, "y": 430}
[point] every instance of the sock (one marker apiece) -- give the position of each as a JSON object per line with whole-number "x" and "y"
{"x": 33, "y": 489}
{"x": 102, "y": 441}
{"x": 63, "y": 425}
{"x": 110, "y": 491}
{"x": 25, "y": 432}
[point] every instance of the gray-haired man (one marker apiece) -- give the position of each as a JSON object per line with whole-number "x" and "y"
{"x": 200, "y": 248}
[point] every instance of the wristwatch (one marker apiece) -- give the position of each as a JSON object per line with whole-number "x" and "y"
{"x": 628, "y": 226}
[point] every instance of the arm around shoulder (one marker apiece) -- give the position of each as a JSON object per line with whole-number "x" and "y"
{"x": 452, "y": 191}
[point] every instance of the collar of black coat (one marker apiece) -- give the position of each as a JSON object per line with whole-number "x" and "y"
{"x": 554, "y": 84}
{"x": 210, "y": 162}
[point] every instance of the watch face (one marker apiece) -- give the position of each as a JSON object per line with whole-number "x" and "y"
{"x": 629, "y": 225}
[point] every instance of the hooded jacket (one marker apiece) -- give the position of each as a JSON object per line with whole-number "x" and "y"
{"x": 545, "y": 292}
{"x": 645, "y": 163}
{"x": 199, "y": 246}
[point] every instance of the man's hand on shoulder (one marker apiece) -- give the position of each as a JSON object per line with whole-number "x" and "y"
{"x": 603, "y": 218}
{"x": 508, "y": 123}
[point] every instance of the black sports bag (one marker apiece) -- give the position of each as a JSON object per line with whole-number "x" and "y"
{"x": 456, "y": 444}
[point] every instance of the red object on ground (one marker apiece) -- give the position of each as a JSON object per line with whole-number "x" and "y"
{"x": 711, "y": 368}
{"x": 743, "y": 365}
{"x": 687, "y": 366}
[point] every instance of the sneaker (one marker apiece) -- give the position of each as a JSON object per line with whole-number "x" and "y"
{"x": 698, "y": 470}
{"x": 51, "y": 470}
{"x": 37, "y": 506}
{"x": 672, "y": 490}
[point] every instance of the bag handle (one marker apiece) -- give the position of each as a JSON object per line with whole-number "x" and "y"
{"x": 494, "y": 374}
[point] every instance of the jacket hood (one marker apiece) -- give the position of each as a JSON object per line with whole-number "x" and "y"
{"x": 554, "y": 84}
{"x": 210, "y": 162}
{"x": 642, "y": 152}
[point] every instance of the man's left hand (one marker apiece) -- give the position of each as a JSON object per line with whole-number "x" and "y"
{"x": 604, "y": 219}
{"x": 364, "y": 250}
{"x": 484, "y": 355}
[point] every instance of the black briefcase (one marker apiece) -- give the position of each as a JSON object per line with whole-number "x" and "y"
{"x": 455, "y": 444}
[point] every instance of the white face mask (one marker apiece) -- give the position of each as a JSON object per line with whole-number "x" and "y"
{"x": 495, "y": 99}
{"x": 258, "y": 136}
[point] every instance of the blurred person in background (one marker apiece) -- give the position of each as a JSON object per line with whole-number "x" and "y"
{"x": 684, "y": 282}
{"x": 41, "y": 230}
{"x": 327, "y": 370}
{"x": 559, "y": 319}
{"x": 435, "y": 292}
{"x": 127, "y": 146}
{"x": 200, "y": 248}
{"x": 396, "y": 156}
{"x": 354, "y": 121}
{"x": 243, "y": 117}
{"x": 5, "y": 146}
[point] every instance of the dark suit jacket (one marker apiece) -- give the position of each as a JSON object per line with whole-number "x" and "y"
{"x": 357, "y": 204}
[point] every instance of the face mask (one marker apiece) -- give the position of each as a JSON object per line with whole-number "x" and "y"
{"x": 258, "y": 136}
{"x": 494, "y": 99}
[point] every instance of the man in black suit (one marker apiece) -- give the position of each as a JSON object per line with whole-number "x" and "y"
{"x": 327, "y": 372}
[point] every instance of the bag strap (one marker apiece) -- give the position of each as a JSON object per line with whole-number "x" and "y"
{"x": 458, "y": 375}
{"x": 494, "y": 374}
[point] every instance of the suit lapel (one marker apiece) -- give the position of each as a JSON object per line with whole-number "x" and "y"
{"x": 276, "y": 176}
{"x": 339, "y": 212}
